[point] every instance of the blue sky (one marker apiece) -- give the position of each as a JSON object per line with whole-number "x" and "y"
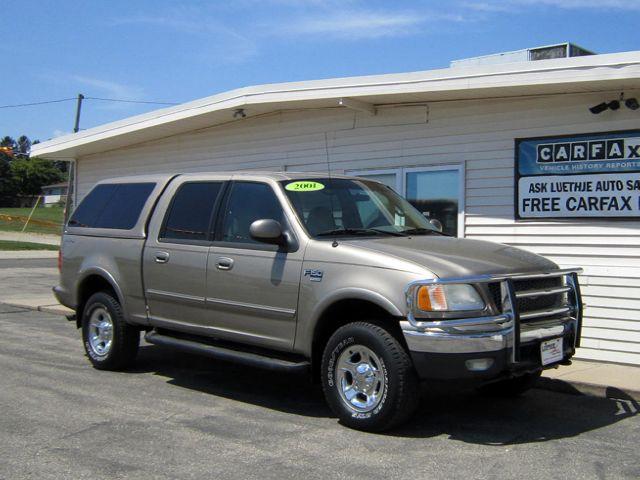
{"x": 161, "y": 50}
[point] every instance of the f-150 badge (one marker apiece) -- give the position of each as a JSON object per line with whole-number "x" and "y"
{"x": 314, "y": 275}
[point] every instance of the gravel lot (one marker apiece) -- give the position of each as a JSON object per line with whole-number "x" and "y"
{"x": 180, "y": 416}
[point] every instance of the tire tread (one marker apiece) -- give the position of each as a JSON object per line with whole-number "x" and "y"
{"x": 126, "y": 338}
{"x": 408, "y": 395}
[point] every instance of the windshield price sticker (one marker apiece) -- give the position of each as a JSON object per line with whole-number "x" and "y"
{"x": 304, "y": 186}
{"x": 583, "y": 176}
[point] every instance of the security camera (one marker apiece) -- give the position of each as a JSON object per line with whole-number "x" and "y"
{"x": 631, "y": 103}
{"x": 601, "y": 107}
{"x": 614, "y": 104}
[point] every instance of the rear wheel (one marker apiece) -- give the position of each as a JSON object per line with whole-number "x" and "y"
{"x": 511, "y": 387}
{"x": 110, "y": 343}
{"x": 368, "y": 377}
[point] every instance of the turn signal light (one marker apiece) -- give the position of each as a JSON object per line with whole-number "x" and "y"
{"x": 432, "y": 298}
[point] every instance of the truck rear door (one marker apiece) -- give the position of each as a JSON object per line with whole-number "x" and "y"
{"x": 176, "y": 251}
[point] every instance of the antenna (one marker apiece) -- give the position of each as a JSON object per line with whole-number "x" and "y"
{"x": 326, "y": 151}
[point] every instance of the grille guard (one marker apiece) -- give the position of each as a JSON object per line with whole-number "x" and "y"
{"x": 509, "y": 321}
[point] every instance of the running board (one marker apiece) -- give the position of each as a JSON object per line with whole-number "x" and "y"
{"x": 249, "y": 359}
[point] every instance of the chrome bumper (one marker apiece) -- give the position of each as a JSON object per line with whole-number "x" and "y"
{"x": 503, "y": 332}
{"x": 420, "y": 340}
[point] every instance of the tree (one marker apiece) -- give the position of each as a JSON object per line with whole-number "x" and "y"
{"x": 31, "y": 174}
{"x": 22, "y": 175}
{"x": 7, "y": 187}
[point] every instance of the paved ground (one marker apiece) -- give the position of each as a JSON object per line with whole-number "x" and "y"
{"x": 179, "y": 416}
{"x": 28, "y": 282}
{"x": 31, "y": 237}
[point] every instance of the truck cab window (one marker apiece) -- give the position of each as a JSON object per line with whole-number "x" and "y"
{"x": 190, "y": 211}
{"x": 247, "y": 203}
{"x": 112, "y": 205}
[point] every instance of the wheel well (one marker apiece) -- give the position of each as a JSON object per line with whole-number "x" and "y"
{"x": 90, "y": 285}
{"x": 341, "y": 313}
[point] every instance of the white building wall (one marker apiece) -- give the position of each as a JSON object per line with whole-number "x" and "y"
{"x": 479, "y": 134}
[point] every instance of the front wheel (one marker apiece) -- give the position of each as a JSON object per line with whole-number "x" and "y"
{"x": 110, "y": 342}
{"x": 368, "y": 378}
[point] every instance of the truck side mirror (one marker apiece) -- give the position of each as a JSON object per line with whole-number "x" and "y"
{"x": 267, "y": 230}
{"x": 436, "y": 223}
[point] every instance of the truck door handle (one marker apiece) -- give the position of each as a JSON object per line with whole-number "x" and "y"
{"x": 162, "y": 257}
{"x": 224, "y": 263}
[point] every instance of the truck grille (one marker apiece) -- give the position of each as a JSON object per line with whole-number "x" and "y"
{"x": 536, "y": 298}
{"x": 539, "y": 302}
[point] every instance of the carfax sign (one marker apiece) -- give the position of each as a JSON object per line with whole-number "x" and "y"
{"x": 582, "y": 176}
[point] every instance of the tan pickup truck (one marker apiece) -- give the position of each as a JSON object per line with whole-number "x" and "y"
{"x": 337, "y": 276}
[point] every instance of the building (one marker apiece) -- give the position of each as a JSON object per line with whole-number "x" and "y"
{"x": 538, "y": 154}
{"x": 54, "y": 194}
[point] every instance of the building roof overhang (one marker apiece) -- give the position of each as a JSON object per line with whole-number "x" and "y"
{"x": 618, "y": 71}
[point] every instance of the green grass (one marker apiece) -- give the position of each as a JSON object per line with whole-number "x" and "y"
{"x": 45, "y": 220}
{"x": 10, "y": 245}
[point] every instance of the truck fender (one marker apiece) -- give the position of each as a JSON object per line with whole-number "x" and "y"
{"x": 349, "y": 293}
{"x": 100, "y": 272}
{"x": 352, "y": 293}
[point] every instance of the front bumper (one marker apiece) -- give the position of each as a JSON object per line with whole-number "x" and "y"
{"x": 450, "y": 357}
{"x": 494, "y": 347}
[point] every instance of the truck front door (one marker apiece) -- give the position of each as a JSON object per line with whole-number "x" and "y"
{"x": 252, "y": 287}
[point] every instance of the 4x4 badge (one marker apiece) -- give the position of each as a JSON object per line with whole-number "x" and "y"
{"x": 314, "y": 275}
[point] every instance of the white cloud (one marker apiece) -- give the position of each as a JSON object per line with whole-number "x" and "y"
{"x": 511, "y": 5}
{"x": 363, "y": 24}
{"x": 92, "y": 86}
{"x": 108, "y": 88}
{"x": 339, "y": 19}
{"x": 59, "y": 133}
{"x": 354, "y": 25}
{"x": 220, "y": 41}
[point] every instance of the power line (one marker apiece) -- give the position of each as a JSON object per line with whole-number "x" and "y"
{"x": 17, "y": 105}
{"x": 129, "y": 101}
{"x": 36, "y": 103}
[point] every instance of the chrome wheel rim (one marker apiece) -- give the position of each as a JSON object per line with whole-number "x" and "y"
{"x": 361, "y": 381}
{"x": 100, "y": 331}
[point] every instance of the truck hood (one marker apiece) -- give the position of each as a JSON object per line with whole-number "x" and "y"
{"x": 456, "y": 257}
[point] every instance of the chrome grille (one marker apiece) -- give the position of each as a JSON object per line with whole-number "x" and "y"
{"x": 536, "y": 297}
{"x": 542, "y": 301}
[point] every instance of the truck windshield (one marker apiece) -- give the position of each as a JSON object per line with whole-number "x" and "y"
{"x": 353, "y": 207}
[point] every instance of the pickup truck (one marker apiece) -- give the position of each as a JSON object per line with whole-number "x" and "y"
{"x": 332, "y": 276}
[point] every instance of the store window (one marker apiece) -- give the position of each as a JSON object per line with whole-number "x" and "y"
{"x": 437, "y": 192}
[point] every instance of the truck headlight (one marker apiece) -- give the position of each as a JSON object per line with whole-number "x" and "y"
{"x": 447, "y": 298}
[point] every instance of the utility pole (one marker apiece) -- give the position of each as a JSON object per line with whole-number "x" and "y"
{"x": 78, "y": 108}
{"x": 68, "y": 204}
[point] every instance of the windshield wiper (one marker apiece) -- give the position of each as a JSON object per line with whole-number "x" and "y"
{"x": 358, "y": 231}
{"x": 422, "y": 231}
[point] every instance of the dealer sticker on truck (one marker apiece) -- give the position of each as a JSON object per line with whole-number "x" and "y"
{"x": 551, "y": 351}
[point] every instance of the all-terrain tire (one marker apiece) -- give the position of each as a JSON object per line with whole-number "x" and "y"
{"x": 401, "y": 394}
{"x": 125, "y": 338}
